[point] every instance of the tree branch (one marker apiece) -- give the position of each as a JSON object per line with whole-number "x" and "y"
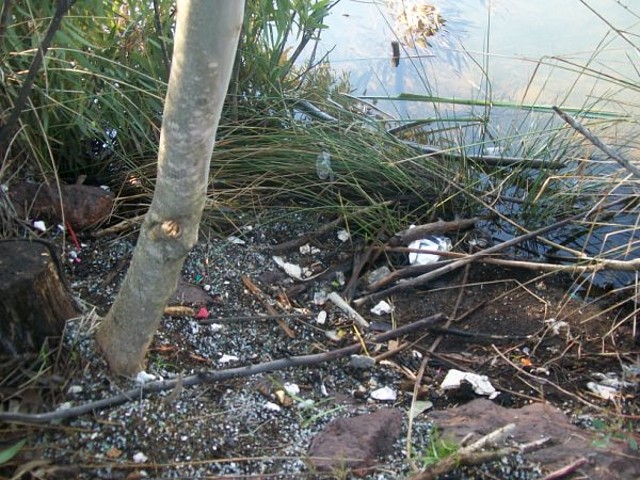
{"x": 213, "y": 376}
{"x": 7, "y": 129}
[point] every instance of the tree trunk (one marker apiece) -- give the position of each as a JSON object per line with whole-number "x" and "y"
{"x": 34, "y": 300}
{"x": 207, "y": 34}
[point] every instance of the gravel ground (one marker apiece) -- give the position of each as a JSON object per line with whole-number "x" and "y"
{"x": 255, "y": 427}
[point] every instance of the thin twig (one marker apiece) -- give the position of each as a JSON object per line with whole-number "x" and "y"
{"x": 584, "y": 131}
{"x": 214, "y": 376}
{"x": 159, "y": 32}
{"x": 567, "y": 470}
{"x": 420, "y": 231}
{"x": 469, "y": 455}
{"x": 4, "y": 18}
{"x": 544, "y": 381}
{"x": 62, "y": 6}
{"x": 307, "y": 237}
{"x": 427, "y": 277}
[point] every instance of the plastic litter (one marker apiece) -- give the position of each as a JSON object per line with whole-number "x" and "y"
{"x": 382, "y": 308}
{"x": 440, "y": 244}
{"x": 480, "y": 383}
{"x": 385, "y": 394}
{"x": 323, "y": 166}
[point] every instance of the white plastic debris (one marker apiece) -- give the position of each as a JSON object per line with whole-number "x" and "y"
{"x": 139, "y": 457}
{"x": 321, "y": 318}
{"x": 382, "y": 308}
{"x": 440, "y": 244}
{"x": 362, "y": 362}
{"x": 384, "y": 394}
{"x": 235, "y": 240}
{"x": 556, "y": 326}
{"x": 480, "y": 383}
{"x": 144, "y": 377}
{"x": 75, "y": 389}
{"x": 291, "y": 269}
{"x": 343, "y": 235}
{"x": 323, "y": 166}
{"x": 216, "y": 327}
{"x": 612, "y": 380}
{"x": 333, "y": 335}
{"x": 319, "y": 297}
{"x": 307, "y": 248}
{"x": 292, "y": 389}
{"x": 603, "y": 391}
{"x": 64, "y": 406}
{"x": 274, "y": 407}
{"x": 228, "y": 358}
{"x": 40, "y": 225}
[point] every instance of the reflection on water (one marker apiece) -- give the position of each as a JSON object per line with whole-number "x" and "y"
{"x": 504, "y": 40}
{"x": 541, "y": 52}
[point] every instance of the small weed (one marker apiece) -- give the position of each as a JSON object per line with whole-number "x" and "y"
{"x": 608, "y": 432}
{"x": 8, "y": 453}
{"x": 438, "y": 449}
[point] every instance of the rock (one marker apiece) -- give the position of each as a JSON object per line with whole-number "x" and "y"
{"x": 189, "y": 294}
{"x": 355, "y": 442}
{"x": 533, "y": 422}
{"x": 84, "y": 206}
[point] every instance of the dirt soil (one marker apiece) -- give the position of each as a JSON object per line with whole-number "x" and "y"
{"x": 536, "y": 343}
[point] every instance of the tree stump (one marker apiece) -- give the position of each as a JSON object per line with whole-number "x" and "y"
{"x": 35, "y": 301}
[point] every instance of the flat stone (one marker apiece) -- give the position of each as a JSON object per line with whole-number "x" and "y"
{"x": 84, "y": 206}
{"x": 533, "y": 422}
{"x": 355, "y": 443}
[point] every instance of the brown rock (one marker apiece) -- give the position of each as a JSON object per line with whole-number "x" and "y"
{"x": 533, "y": 422}
{"x": 84, "y": 206}
{"x": 354, "y": 443}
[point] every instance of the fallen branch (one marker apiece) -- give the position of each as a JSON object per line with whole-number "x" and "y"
{"x": 567, "y": 470}
{"x": 416, "y": 233}
{"x": 427, "y": 277}
{"x": 307, "y": 237}
{"x": 262, "y": 298}
{"x": 339, "y": 302}
{"x": 590, "y": 265}
{"x": 213, "y": 377}
{"x": 597, "y": 142}
{"x": 469, "y": 455}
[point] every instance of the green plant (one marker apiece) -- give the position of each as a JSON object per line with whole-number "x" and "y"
{"x": 8, "y": 453}
{"x": 610, "y": 431}
{"x": 437, "y": 449}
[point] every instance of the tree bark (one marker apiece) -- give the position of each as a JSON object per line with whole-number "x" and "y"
{"x": 207, "y": 34}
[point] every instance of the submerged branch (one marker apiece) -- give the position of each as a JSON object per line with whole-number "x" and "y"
{"x": 597, "y": 142}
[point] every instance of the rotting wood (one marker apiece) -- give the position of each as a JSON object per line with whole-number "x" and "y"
{"x": 35, "y": 301}
{"x": 214, "y": 376}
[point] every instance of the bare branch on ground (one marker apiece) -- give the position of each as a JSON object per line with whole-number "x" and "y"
{"x": 214, "y": 376}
